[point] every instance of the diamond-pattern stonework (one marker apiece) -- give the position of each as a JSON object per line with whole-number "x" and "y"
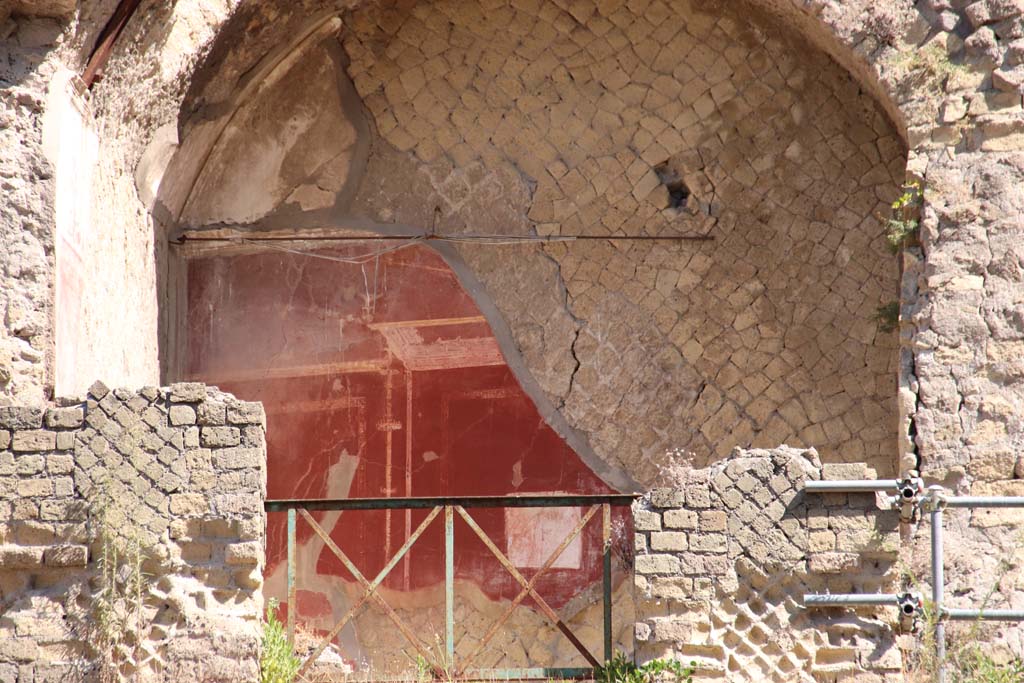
{"x": 120, "y": 461}
{"x": 755, "y": 544}
{"x": 655, "y": 119}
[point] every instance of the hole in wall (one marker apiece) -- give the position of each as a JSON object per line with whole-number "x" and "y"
{"x": 678, "y": 192}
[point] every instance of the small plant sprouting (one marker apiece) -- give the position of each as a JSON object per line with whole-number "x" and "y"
{"x": 116, "y": 621}
{"x": 278, "y": 663}
{"x": 901, "y": 226}
{"x": 888, "y": 316}
{"x": 620, "y": 669}
{"x": 929, "y": 65}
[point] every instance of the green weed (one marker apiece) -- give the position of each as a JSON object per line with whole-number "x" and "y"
{"x": 278, "y": 663}
{"x": 620, "y": 669}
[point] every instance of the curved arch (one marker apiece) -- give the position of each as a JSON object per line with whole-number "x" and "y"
{"x": 715, "y": 144}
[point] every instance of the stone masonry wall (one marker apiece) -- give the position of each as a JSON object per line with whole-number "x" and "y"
{"x": 641, "y": 119}
{"x": 723, "y": 561}
{"x": 179, "y": 470}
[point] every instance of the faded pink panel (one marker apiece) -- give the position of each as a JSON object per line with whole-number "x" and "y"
{"x": 532, "y": 534}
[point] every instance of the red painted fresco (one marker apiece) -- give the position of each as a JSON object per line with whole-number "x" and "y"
{"x": 383, "y": 379}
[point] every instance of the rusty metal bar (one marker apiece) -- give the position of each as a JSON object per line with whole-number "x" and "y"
{"x": 545, "y": 608}
{"x": 391, "y": 614}
{"x": 319, "y": 504}
{"x": 366, "y": 594}
{"x": 291, "y": 577}
{"x": 105, "y": 43}
{"x": 606, "y": 582}
{"x": 526, "y": 591}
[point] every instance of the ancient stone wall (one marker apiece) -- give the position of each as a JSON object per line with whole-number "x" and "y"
{"x": 177, "y": 473}
{"x": 724, "y": 558}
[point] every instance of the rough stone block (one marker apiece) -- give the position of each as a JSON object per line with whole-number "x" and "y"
{"x": 193, "y": 551}
{"x": 238, "y": 504}
{"x": 211, "y": 413}
{"x": 66, "y": 556}
{"x": 247, "y": 413}
{"x": 713, "y": 520}
{"x": 20, "y": 418}
{"x": 35, "y": 488}
{"x": 672, "y": 629}
{"x": 716, "y": 543}
{"x": 214, "y": 437}
{"x": 182, "y": 415}
{"x": 19, "y": 650}
{"x": 5, "y": 439}
{"x": 65, "y": 418}
{"x": 854, "y": 470}
{"x": 821, "y": 541}
{"x": 31, "y": 532}
{"x": 187, "y": 392}
{"x": 646, "y": 520}
{"x": 667, "y": 498}
{"x": 238, "y": 458}
{"x": 27, "y": 465}
{"x": 671, "y": 541}
{"x": 65, "y": 441}
{"x": 833, "y": 563}
{"x": 189, "y": 504}
{"x": 20, "y": 557}
{"x": 98, "y": 390}
{"x": 60, "y": 464}
{"x": 248, "y": 552}
{"x": 680, "y": 519}
{"x": 656, "y": 564}
{"x": 672, "y": 587}
{"x": 34, "y": 441}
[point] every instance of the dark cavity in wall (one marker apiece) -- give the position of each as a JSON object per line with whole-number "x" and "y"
{"x": 671, "y": 178}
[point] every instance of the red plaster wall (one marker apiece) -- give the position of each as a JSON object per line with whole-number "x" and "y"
{"x": 388, "y": 366}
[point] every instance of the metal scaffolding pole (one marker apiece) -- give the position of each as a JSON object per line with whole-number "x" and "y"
{"x": 851, "y": 486}
{"x": 984, "y": 501}
{"x": 850, "y": 599}
{"x": 911, "y": 495}
{"x": 983, "y": 614}
{"x": 938, "y": 582}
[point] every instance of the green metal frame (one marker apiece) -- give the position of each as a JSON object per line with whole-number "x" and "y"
{"x": 452, "y": 506}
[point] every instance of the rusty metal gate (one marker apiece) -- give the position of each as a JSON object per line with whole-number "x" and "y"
{"x": 449, "y": 507}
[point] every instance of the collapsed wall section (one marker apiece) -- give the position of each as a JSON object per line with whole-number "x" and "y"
{"x": 178, "y": 474}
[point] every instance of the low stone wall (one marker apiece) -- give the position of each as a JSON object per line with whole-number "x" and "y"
{"x": 724, "y": 558}
{"x": 178, "y": 473}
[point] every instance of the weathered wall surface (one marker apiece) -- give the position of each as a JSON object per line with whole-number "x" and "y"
{"x": 723, "y": 561}
{"x": 78, "y": 245}
{"x": 180, "y": 470}
{"x": 765, "y": 335}
{"x": 948, "y": 71}
{"x": 26, "y": 213}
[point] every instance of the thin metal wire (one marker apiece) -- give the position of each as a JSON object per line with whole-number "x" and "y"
{"x": 471, "y": 238}
{"x": 353, "y": 260}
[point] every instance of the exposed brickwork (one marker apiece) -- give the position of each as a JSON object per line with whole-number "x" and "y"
{"x": 604, "y": 108}
{"x": 196, "y": 512}
{"x": 724, "y": 559}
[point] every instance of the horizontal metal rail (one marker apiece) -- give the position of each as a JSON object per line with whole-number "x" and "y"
{"x": 912, "y": 495}
{"x": 850, "y": 599}
{"x": 528, "y": 501}
{"x": 851, "y": 485}
{"x": 983, "y": 501}
{"x": 954, "y": 614}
